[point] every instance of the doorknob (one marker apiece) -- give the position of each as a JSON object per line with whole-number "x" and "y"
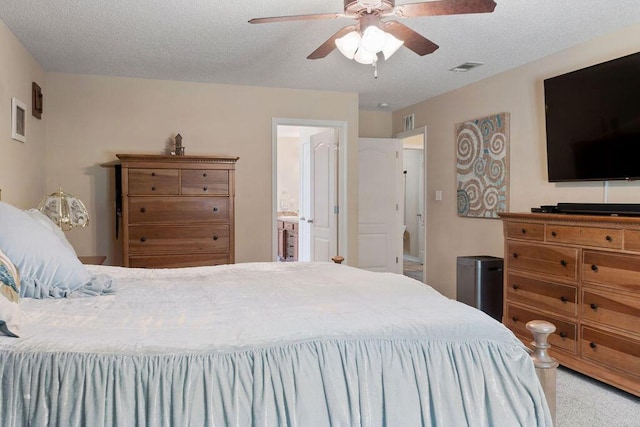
{"x": 309, "y": 221}
{"x": 302, "y": 218}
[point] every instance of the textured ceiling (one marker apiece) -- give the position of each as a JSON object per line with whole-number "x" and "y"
{"x": 211, "y": 41}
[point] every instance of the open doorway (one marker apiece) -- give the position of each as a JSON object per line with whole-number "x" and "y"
{"x": 307, "y": 163}
{"x": 415, "y": 203}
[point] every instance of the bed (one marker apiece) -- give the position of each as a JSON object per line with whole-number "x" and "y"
{"x": 256, "y": 344}
{"x": 264, "y": 344}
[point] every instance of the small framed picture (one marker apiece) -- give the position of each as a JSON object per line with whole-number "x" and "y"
{"x": 408, "y": 122}
{"x": 18, "y": 120}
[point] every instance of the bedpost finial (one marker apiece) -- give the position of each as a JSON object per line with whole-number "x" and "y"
{"x": 541, "y": 331}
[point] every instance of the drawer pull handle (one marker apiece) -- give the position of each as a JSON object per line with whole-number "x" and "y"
{"x": 215, "y": 209}
{"x": 554, "y": 234}
{"x": 594, "y": 268}
{"x": 524, "y": 231}
{"x": 564, "y": 299}
{"x": 516, "y": 286}
{"x": 514, "y": 318}
{"x": 563, "y": 335}
{"x": 153, "y": 174}
{"x": 143, "y": 239}
{"x": 204, "y": 188}
{"x": 204, "y": 175}
{"x": 609, "y": 238}
{"x": 592, "y": 345}
{"x": 515, "y": 255}
{"x": 153, "y": 188}
{"x": 215, "y": 237}
{"x": 593, "y": 306}
{"x": 563, "y": 263}
{"x": 143, "y": 210}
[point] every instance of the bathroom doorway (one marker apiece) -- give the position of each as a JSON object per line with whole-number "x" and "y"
{"x": 415, "y": 203}
{"x": 307, "y": 190}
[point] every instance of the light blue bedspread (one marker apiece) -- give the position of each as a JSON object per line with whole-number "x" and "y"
{"x": 265, "y": 344}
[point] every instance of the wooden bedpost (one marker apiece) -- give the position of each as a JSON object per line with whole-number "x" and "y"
{"x": 546, "y": 366}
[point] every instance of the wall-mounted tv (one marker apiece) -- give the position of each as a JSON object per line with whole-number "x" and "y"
{"x": 593, "y": 122}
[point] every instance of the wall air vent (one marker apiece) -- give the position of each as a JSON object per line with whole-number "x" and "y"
{"x": 462, "y": 68}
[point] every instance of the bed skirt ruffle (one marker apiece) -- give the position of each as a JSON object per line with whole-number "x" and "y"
{"x": 318, "y": 383}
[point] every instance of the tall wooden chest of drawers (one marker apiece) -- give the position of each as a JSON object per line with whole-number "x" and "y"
{"x": 582, "y": 273}
{"x": 177, "y": 211}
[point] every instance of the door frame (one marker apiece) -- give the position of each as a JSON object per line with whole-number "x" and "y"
{"x": 422, "y": 130}
{"x": 342, "y": 181}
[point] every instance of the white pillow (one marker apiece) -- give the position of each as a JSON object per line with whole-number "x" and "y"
{"x": 47, "y": 268}
{"x": 10, "y": 315}
{"x": 50, "y": 225}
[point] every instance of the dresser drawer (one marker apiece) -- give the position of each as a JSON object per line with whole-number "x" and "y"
{"x": 612, "y": 350}
{"x": 290, "y": 226}
{"x": 178, "y": 261}
{"x": 205, "y": 181}
{"x": 611, "y": 308}
{"x": 545, "y": 259}
{"x": 178, "y": 210}
{"x": 543, "y": 294}
{"x": 632, "y": 240}
{"x": 584, "y": 236}
{"x": 149, "y": 239}
{"x": 524, "y": 230}
{"x": 153, "y": 182}
{"x": 611, "y": 269}
{"x": 564, "y": 337}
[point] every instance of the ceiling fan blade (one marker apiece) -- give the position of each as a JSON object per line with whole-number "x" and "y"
{"x": 327, "y": 47}
{"x": 412, "y": 40}
{"x": 444, "y": 7}
{"x": 296, "y": 18}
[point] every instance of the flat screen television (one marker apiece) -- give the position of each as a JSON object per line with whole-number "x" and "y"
{"x": 593, "y": 122}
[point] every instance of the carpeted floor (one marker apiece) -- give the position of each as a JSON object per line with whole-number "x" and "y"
{"x": 585, "y": 402}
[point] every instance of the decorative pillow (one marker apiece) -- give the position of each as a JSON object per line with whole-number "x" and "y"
{"x": 46, "y": 222}
{"x": 47, "y": 268}
{"x": 9, "y": 297}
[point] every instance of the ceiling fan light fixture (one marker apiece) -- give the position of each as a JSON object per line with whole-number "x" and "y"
{"x": 373, "y": 39}
{"x": 391, "y": 45}
{"x": 348, "y": 44}
{"x": 363, "y": 56}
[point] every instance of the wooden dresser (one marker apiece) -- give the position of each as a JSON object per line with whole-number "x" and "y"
{"x": 582, "y": 273}
{"x": 288, "y": 240}
{"x": 177, "y": 211}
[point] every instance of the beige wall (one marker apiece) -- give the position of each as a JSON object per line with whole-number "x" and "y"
{"x": 93, "y": 117}
{"x": 375, "y": 124}
{"x": 519, "y": 92}
{"x": 22, "y": 165}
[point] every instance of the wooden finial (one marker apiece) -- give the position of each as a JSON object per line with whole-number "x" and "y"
{"x": 337, "y": 259}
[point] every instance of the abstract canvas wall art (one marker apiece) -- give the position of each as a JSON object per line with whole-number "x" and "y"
{"x": 482, "y": 166}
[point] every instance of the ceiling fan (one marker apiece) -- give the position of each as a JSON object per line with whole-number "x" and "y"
{"x": 371, "y": 34}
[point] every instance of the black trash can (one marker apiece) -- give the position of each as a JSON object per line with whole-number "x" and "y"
{"x": 479, "y": 283}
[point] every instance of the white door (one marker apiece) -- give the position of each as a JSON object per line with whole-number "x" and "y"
{"x": 380, "y": 210}
{"x": 322, "y": 222}
{"x": 421, "y": 213}
{"x": 304, "y": 228}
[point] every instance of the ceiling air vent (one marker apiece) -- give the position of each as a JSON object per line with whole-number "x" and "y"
{"x": 466, "y": 67}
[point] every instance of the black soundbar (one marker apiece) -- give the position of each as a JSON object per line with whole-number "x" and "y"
{"x": 621, "y": 209}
